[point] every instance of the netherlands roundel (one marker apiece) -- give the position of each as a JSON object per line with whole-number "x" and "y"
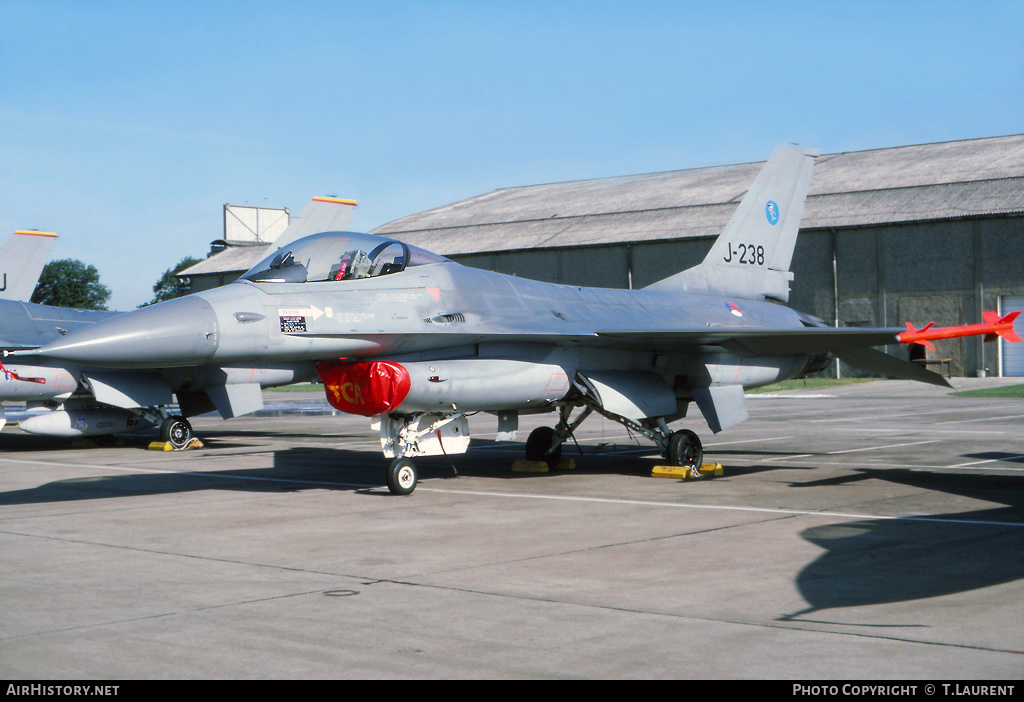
{"x": 771, "y": 211}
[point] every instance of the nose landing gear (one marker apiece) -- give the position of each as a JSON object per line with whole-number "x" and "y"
{"x": 402, "y": 476}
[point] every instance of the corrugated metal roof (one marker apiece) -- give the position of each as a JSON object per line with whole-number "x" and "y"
{"x": 925, "y": 203}
{"x": 903, "y": 184}
{"x": 234, "y": 258}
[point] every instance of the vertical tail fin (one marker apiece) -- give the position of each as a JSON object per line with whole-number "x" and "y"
{"x": 322, "y": 214}
{"x": 751, "y": 256}
{"x": 22, "y": 258}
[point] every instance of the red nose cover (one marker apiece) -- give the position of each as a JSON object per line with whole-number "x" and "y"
{"x": 368, "y": 388}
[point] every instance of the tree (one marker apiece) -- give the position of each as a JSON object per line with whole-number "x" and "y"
{"x": 168, "y": 288}
{"x": 70, "y": 283}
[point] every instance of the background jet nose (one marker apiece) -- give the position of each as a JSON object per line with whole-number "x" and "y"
{"x": 177, "y": 332}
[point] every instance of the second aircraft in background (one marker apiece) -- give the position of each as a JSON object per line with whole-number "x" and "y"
{"x": 73, "y": 399}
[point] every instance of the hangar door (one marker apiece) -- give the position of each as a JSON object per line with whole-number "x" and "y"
{"x": 1013, "y": 354}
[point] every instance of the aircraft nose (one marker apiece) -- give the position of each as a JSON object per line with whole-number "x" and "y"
{"x": 177, "y": 332}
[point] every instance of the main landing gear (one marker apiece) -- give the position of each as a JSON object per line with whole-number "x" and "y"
{"x": 403, "y": 437}
{"x": 684, "y": 449}
{"x": 176, "y": 431}
{"x": 543, "y": 444}
{"x": 681, "y": 448}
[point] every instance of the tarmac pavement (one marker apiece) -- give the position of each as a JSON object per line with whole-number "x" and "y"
{"x": 872, "y": 531}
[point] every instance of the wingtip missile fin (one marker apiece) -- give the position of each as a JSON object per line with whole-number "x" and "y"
{"x": 1004, "y": 328}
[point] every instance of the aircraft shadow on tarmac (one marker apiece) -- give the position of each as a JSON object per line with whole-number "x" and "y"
{"x": 294, "y": 469}
{"x": 723, "y": 455}
{"x": 879, "y": 561}
{"x": 865, "y": 562}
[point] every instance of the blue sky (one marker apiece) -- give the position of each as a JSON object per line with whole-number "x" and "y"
{"x": 127, "y": 125}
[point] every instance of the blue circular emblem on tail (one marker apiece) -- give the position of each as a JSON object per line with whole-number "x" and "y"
{"x": 771, "y": 210}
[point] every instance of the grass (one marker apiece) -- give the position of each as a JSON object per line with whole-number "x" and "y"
{"x": 1005, "y": 391}
{"x": 299, "y": 387}
{"x": 805, "y": 383}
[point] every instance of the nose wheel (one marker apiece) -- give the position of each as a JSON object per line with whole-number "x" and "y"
{"x": 402, "y": 476}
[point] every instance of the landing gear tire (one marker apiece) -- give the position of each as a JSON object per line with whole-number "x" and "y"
{"x": 684, "y": 449}
{"x": 177, "y": 432}
{"x": 402, "y": 476}
{"x": 537, "y": 444}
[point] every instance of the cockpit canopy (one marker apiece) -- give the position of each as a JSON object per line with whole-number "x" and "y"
{"x": 338, "y": 256}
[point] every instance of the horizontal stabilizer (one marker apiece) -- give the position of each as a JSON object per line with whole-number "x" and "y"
{"x": 236, "y": 400}
{"x": 875, "y": 361}
{"x": 128, "y": 390}
{"x": 722, "y": 407}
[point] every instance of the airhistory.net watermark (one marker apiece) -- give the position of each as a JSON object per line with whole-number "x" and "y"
{"x": 62, "y": 690}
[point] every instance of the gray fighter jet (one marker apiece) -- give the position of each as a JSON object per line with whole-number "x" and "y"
{"x": 417, "y": 341}
{"x": 80, "y": 399}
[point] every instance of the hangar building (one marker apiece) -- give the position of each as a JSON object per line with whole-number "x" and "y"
{"x": 932, "y": 232}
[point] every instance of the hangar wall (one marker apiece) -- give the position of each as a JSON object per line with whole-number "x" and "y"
{"x": 918, "y": 233}
{"x": 944, "y": 272}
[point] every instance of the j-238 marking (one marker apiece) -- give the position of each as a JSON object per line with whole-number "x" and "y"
{"x": 746, "y": 253}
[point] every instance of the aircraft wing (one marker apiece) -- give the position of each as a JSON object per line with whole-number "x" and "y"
{"x": 24, "y": 325}
{"x": 853, "y": 346}
{"x": 754, "y": 341}
{"x": 747, "y": 342}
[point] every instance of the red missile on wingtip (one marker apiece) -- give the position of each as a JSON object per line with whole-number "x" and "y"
{"x": 994, "y": 326}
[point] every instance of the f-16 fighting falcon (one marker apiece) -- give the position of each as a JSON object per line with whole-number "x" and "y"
{"x": 418, "y": 342}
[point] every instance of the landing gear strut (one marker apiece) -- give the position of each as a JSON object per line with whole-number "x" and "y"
{"x": 682, "y": 448}
{"x": 405, "y": 436}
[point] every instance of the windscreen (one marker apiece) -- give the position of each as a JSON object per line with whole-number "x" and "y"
{"x": 337, "y": 256}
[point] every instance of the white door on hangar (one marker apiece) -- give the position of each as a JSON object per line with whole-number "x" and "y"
{"x": 1013, "y": 354}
